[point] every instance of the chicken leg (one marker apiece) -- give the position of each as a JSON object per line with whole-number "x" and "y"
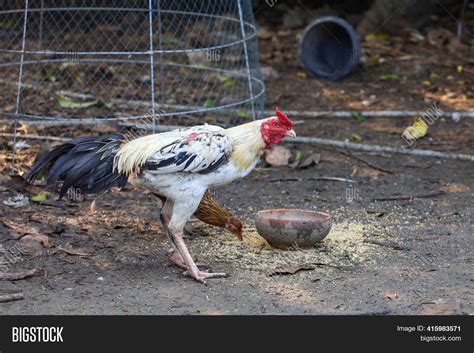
{"x": 181, "y": 256}
{"x": 184, "y": 256}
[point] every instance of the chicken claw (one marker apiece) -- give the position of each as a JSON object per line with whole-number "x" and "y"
{"x": 177, "y": 260}
{"x": 201, "y": 276}
{"x": 183, "y": 258}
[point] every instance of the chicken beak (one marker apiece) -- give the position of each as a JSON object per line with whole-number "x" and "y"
{"x": 291, "y": 133}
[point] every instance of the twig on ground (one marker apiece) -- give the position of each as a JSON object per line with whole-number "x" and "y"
{"x": 387, "y": 243}
{"x": 373, "y": 113}
{"x": 9, "y": 297}
{"x": 377, "y": 148}
{"x": 34, "y": 137}
{"x": 292, "y": 269}
{"x": 71, "y": 251}
{"x": 13, "y": 276}
{"x": 323, "y": 178}
{"x": 409, "y": 197}
{"x": 373, "y": 313}
{"x": 371, "y": 165}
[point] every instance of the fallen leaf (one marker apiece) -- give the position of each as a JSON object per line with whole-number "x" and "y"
{"x": 209, "y": 103}
{"x": 369, "y": 172}
{"x": 313, "y": 158}
{"x": 391, "y": 295}
{"x": 244, "y": 114}
{"x": 40, "y": 197}
{"x": 30, "y": 234}
{"x": 278, "y": 156}
{"x": 455, "y": 187}
{"x": 354, "y": 170}
{"x": 92, "y": 208}
{"x": 376, "y": 36}
{"x": 229, "y": 82}
{"x": 374, "y": 59}
{"x": 269, "y": 73}
{"x": 418, "y": 129}
{"x": 30, "y": 240}
{"x": 301, "y": 74}
{"x": 298, "y": 155}
{"x": 18, "y": 201}
{"x": 70, "y": 104}
{"x": 390, "y": 76}
{"x": 357, "y": 137}
{"x": 264, "y": 33}
{"x": 21, "y": 229}
{"x": 375, "y": 213}
{"x": 358, "y": 117}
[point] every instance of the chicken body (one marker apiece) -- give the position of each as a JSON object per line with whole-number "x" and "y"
{"x": 180, "y": 165}
{"x": 210, "y": 212}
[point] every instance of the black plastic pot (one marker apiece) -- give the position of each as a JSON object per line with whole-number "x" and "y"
{"x": 329, "y": 48}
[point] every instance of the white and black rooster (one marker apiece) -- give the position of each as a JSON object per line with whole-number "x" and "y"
{"x": 179, "y": 165}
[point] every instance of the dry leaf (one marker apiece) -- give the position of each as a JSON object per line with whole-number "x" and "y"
{"x": 391, "y": 295}
{"x": 417, "y": 130}
{"x": 92, "y": 207}
{"x": 32, "y": 240}
{"x": 313, "y": 158}
{"x": 301, "y": 74}
{"x": 278, "y": 156}
{"x": 455, "y": 187}
{"x": 18, "y": 201}
{"x": 31, "y": 235}
{"x": 21, "y": 229}
{"x": 354, "y": 170}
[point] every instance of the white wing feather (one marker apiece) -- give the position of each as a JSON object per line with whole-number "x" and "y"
{"x": 197, "y": 150}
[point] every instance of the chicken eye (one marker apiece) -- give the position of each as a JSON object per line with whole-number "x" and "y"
{"x": 275, "y": 125}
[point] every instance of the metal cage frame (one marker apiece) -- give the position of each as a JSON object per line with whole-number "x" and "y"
{"x": 153, "y": 57}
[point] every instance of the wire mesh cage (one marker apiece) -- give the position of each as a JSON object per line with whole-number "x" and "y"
{"x": 181, "y": 62}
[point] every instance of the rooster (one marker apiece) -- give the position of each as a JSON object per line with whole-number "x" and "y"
{"x": 180, "y": 165}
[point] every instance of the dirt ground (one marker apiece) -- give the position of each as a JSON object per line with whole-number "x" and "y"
{"x": 402, "y": 235}
{"x": 381, "y": 257}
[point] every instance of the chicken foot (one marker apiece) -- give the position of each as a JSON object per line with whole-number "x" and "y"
{"x": 181, "y": 256}
{"x": 184, "y": 258}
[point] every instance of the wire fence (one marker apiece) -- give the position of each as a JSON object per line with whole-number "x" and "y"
{"x": 97, "y": 60}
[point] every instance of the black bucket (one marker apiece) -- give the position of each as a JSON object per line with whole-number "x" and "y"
{"x": 329, "y": 48}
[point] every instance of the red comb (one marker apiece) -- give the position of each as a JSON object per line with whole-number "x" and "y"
{"x": 283, "y": 118}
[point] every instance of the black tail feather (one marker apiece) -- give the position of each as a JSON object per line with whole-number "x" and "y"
{"x": 85, "y": 163}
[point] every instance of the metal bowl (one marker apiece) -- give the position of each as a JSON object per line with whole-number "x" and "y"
{"x": 286, "y": 228}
